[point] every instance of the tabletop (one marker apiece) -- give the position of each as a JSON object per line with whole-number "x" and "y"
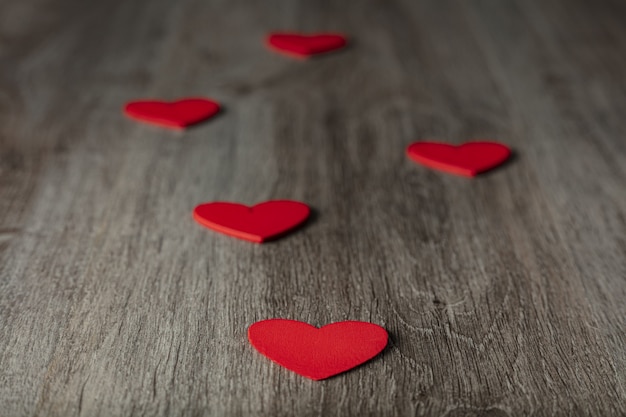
{"x": 503, "y": 294}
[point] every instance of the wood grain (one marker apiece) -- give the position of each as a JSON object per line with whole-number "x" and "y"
{"x": 503, "y": 295}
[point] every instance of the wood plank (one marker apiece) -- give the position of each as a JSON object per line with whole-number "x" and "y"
{"x": 502, "y": 295}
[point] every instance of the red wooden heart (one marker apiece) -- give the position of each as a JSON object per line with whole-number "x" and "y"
{"x": 304, "y": 46}
{"x": 259, "y": 223}
{"x": 317, "y": 353}
{"x": 177, "y": 114}
{"x": 468, "y": 159}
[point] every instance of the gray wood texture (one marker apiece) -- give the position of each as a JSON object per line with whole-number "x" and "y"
{"x": 504, "y": 295}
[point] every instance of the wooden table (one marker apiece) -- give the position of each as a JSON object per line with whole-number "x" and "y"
{"x": 503, "y": 295}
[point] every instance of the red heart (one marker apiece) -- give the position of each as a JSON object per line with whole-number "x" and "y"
{"x": 317, "y": 353}
{"x": 259, "y": 223}
{"x": 468, "y": 159}
{"x": 177, "y": 114}
{"x": 304, "y": 46}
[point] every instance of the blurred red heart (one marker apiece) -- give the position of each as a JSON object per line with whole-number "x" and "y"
{"x": 177, "y": 114}
{"x": 468, "y": 159}
{"x": 259, "y": 223}
{"x": 304, "y": 46}
{"x": 317, "y": 353}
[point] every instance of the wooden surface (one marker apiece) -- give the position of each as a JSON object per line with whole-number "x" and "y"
{"x": 504, "y": 295}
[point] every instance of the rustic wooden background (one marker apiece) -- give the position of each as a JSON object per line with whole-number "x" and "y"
{"x": 504, "y": 295}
